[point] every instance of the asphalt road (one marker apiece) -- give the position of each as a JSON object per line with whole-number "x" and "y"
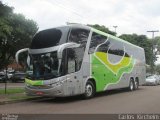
{"x": 144, "y": 100}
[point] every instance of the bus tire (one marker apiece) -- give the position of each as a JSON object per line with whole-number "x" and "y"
{"x": 89, "y": 90}
{"x": 136, "y": 84}
{"x": 131, "y": 85}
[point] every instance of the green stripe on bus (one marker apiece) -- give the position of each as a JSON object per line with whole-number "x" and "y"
{"x": 35, "y": 82}
{"x": 104, "y": 75}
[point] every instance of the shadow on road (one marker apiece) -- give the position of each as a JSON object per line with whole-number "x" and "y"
{"x": 116, "y": 91}
{"x": 64, "y": 100}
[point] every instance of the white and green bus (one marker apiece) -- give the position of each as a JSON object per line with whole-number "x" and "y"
{"x": 77, "y": 59}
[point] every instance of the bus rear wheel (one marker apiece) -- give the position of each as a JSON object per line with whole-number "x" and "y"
{"x": 136, "y": 84}
{"x": 89, "y": 90}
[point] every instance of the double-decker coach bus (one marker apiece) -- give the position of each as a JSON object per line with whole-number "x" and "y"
{"x": 77, "y": 59}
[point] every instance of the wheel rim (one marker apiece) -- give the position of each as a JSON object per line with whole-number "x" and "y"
{"x": 131, "y": 85}
{"x": 89, "y": 90}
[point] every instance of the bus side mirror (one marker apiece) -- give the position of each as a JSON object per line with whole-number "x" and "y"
{"x": 28, "y": 60}
{"x": 61, "y": 48}
{"x": 18, "y": 52}
{"x": 64, "y": 46}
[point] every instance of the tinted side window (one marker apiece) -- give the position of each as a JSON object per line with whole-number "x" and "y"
{"x": 74, "y": 59}
{"x": 71, "y": 65}
{"x": 117, "y": 48}
{"x": 113, "y": 47}
{"x": 79, "y": 36}
{"x": 96, "y": 39}
{"x": 104, "y": 47}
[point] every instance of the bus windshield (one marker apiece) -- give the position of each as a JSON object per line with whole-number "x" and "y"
{"x": 43, "y": 66}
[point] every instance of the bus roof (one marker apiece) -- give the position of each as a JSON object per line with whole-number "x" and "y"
{"x": 114, "y": 37}
{"x": 102, "y": 33}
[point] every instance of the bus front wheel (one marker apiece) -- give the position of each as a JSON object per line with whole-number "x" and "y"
{"x": 89, "y": 90}
{"x": 131, "y": 85}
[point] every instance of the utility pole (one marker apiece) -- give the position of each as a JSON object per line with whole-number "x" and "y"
{"x": 6, "y": 78}
{"x": 115, "y": 27}
{"x": 152, "y": 64}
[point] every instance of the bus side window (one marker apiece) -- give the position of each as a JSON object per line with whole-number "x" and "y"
{"x": 79, "y": 36}
{"x": 74, "y": 59}
{"x": 71, "y": 65}
{"x": 96, "y": 40}
{"x": 117, "y": 48}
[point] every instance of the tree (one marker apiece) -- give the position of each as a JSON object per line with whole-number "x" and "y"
{"x": 16, "y": 33}
{"x": 158, "y": 69}
{"x": 102, "y": 28}
{"x": 148, "y": 69}
{"x": 157, "y": 43}
{"x": 142, "y": 41}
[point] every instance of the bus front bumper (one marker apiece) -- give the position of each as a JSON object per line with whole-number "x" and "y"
{"x": 51, "y": 91}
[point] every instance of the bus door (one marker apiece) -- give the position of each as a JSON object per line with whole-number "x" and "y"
{"x": 74, "y": 76}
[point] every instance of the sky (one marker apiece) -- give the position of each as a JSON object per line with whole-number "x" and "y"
{"x": 130, "y": 16}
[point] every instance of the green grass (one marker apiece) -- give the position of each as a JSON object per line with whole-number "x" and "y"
{"x": 12, "y": 91}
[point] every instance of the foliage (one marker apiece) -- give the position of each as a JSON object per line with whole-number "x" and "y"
{"x": 148, "y": 69}
{"x": 15, "y": 33}
{"x": 157, "y": 43}
{"x": 142, "y": 41}
{"x": 102, "y": 28}
{"x": 157, "y": 68}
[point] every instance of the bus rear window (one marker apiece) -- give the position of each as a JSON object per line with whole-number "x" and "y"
{"x": 46, "y": 38}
